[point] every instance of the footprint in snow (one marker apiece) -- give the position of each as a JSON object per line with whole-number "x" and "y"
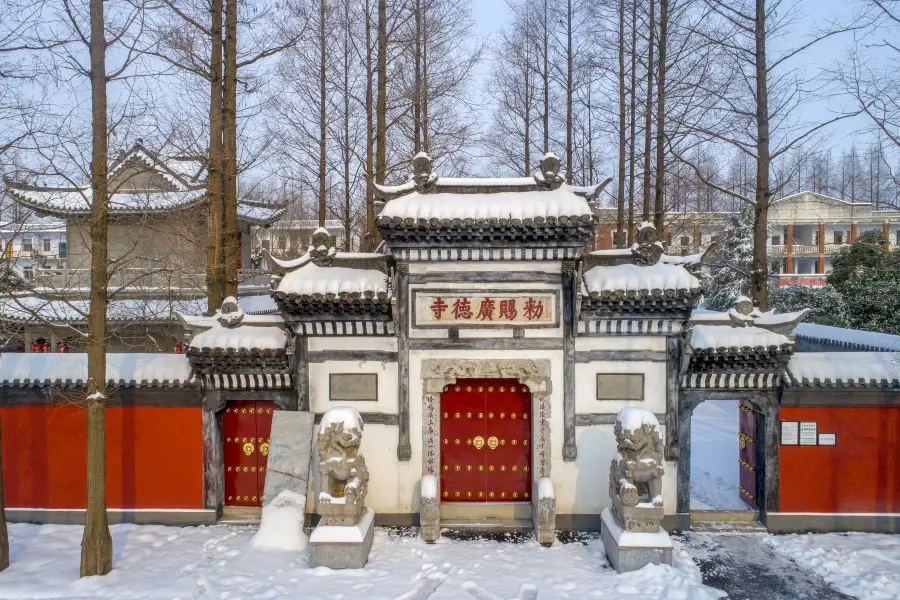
{"x": 528, "y": 591}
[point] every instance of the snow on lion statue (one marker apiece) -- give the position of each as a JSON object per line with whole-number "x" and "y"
{"x": 635, "y": 475}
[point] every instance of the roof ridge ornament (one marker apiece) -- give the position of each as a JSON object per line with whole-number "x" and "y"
{"x": 231, "y": 313}
{"x": 423, "y": 171}
{"x": 646, "y": 249}
{"x": 549, "y": 171}
{"x": 322, "y": 250}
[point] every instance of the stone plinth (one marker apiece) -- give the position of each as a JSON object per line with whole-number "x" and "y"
{"x": 631, "y": 550}
{"x": 290, "y": 451}
{"x": 342, "y": 546}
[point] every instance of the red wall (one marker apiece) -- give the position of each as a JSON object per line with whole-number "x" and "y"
{"x": 861, "y": 474}
{"x": 154, "y": 457}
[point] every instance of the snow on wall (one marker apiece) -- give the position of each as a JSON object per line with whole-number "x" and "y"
{"x": 128, "y": 369}
{"x": 310, "y": 280}
{"x": 234, "y": 338}
{"x": 845, "y": 367}
{"x": 721, "y": 336}
{"x": 635, "y": 278}
{"x": 504, "y": 205}
{"x": 848, "y": 338}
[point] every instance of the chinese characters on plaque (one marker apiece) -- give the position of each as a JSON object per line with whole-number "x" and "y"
{"x": 485, "y": 309}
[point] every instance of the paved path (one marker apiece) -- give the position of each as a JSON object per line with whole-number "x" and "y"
{"x": 749, "y": 569}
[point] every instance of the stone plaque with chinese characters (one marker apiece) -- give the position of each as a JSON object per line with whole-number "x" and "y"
{"x": 485, "y": 309}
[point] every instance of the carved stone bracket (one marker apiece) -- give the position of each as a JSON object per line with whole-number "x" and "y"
{"x": 437, "y": 373}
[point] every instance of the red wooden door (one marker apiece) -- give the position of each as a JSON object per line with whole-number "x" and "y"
{"x": 486, "y": 441}
{"x": 247, "y": 429}
{"x": 747, "y": 455}
{"x": 508, "y": 431}
{"x": 463, "y": 469}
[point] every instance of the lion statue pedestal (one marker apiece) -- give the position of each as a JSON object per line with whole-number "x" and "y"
{"x": 630, "y": 530}
{"x": 343, "y": 537}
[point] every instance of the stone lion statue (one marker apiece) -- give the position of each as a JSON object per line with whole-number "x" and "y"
{"x": 635, "y": 475}
{"x": 343, "y": 473}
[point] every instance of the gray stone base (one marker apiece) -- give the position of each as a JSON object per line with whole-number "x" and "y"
{"x": 342, "y": 547}
{"x": 630, "y": 550}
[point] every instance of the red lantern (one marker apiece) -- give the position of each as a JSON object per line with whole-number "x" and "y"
{"x": 62, "y": 347}
{"x": 35, "y": 347}
{"x": 45, "y": 347}
{"x": 178, "y": 348}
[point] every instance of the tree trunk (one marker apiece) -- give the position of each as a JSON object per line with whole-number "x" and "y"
{"x": 381, "y": 106}
{"x": 569, "y": 90}
{"x": 417, "y": 86}
{"x": 347, "y": 126}
{"x": 761, "y": 213}
{"x": 659, "y": 197}
{"x": 370, "y": 139}
{"x": 323, "y": 148}
{"x": 424, "y": 92}
{"x": 545, "y": 75}
{"x": 632, "y": 160}
{"x": 96, "y": 545}
{"x": 4, "y": 534}
{"x": 648, "y": 113}
{"x": 620, "y": 193}
{"x": 229, "y": 123}
{"x": 527, "y": 123}
{"x": 215, "y": 275}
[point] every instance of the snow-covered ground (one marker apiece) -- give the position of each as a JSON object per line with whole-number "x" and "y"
{"x": 862, "y": 565}
{"x": 714, "y": 456}
{"x": 218, "y": 562}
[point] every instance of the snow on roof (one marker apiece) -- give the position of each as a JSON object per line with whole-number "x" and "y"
{"x": 243, "y": 337}
{"x": 720, "y": 337}
{"x": 636, "y": 278}
{"x": 77, "y": 201}
{"x": 632, "y": 418}
{"x": 688, "y": 259}
{"x": 260, "y": 215}
{"x": 843, "y": 369}
{"x": 313, "y": 280}
{"x": 561, "y": 202}
{"x": 848, "y": 338}
{"x": 33, "y": 308}
{"x": 258, "y": 305}
{"x": 347, "y": 415}
{"x": 70, "y": 370}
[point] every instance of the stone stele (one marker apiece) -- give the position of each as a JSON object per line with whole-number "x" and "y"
{"x": 290, "y": 453}
{"x": 631, "y": 531}
{"x": 343, "y": 537}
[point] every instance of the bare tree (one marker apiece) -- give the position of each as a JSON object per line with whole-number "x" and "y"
{"x": 752, "y": 103}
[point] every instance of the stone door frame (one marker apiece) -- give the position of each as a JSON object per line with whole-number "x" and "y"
{"x": 214, "y": 403}
{"x": 437, "y": 373}
{"x": 765, "y": 405}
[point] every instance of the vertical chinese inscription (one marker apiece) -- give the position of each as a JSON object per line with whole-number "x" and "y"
{"x": 431, "y": 425}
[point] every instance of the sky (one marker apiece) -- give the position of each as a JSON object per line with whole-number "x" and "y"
{"x": 492, "y": 15}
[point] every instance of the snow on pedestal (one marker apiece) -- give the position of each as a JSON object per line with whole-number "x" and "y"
{"x": 544, "y": 511}
{"x": 429, "y": 508}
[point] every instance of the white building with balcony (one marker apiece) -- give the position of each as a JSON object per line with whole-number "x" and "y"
{"x": 807, "y": 230}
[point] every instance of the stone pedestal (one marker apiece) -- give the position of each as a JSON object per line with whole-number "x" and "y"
{"x": 544, "y": 511}
{"x": 631, "y": 550}
{"x": 342, "y": 546}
